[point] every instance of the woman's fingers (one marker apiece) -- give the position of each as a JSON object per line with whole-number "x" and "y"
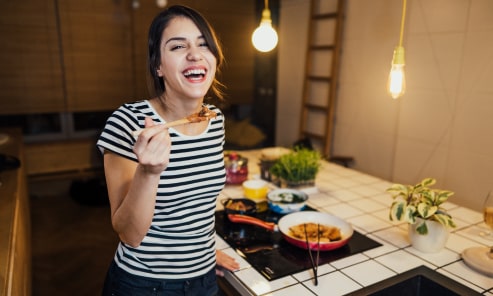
{"x": 148, "y": 122}
{"x": 151, "y": 129}
{"x": 153, "y": 146}
{"x": 226, "y": 261}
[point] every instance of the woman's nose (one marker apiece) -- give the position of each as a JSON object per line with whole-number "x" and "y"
{"x": 194, "y": 54}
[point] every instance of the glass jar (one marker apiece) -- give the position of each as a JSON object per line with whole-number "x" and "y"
{"x": 236, "y": 168}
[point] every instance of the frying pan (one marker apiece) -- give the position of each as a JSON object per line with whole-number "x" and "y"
{"x": 248, "y": 206}
{"x": 298, "y": 218}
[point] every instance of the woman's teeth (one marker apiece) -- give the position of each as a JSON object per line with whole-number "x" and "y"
{"x": 194, "y": 72}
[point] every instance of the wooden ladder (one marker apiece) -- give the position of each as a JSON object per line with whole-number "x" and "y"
{"x": 321, "y": 74}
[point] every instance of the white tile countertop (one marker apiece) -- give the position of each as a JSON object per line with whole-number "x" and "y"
{"x": 360, "y": 199}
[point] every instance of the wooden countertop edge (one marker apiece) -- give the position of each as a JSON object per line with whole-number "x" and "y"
{"x": 10, "y": 207}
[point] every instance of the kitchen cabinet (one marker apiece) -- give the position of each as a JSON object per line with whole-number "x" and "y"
{"x": 360, "y": 199}
{"x": 15, "y": 225}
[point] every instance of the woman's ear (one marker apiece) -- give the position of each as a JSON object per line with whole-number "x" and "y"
{"x": 159, "y": 72}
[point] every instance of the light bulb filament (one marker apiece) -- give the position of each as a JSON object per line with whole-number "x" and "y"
{"x": 396, "y": 84}
{"x": 397, "y": 81}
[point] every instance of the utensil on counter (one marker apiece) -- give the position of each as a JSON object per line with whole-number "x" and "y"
{"x": 312, "y": 261}
{"x": 299, "y": 218}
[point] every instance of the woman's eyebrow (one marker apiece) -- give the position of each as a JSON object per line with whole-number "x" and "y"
{"x": 182, "y": 39}
{"x": 175, "y": 39}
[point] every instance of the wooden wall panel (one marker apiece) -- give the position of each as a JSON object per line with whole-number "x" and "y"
{"x": 142, "y": 18}
{"x": 30, "y": 72}
{"x": 234, "y": 22}
{"x": 97, "y": 53}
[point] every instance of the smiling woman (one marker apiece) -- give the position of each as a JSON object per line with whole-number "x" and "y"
{"x": 163, "y": 183}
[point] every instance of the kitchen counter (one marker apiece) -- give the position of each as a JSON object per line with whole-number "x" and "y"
{"x": 15, "y": 225}
{"x": 360, "y": 199}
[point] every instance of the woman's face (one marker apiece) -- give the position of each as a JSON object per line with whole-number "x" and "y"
{"x": 187, "y": 65}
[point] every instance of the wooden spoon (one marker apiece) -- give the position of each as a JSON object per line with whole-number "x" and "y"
{"x": 202, "y": 115}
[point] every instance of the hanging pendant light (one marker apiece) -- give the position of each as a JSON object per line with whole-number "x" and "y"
{"x": 161, "y": 3}
{"x": 396, "y": 84}
{"x": 264, "y": 38}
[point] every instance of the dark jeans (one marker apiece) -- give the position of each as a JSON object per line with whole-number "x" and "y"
{"x": 121, "y": 283}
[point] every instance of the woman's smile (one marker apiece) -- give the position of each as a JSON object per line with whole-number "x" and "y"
{"x": 195, "y": 74}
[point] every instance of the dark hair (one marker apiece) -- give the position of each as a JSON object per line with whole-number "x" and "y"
{"x": 160, "y": 22}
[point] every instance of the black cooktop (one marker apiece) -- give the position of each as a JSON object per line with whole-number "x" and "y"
{"x": 274, "y": 257}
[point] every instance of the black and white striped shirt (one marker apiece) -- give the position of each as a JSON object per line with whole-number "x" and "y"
{"x": 180, "y": 244}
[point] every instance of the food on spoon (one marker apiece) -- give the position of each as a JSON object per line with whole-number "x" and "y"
{"x": 203, "y": 115}
{"x": 314, "y": 231}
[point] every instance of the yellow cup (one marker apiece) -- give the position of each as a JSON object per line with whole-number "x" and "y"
{"x": 255, "y": 189}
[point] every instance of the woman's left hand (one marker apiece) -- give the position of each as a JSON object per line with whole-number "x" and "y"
{"x": 225, "y": 261}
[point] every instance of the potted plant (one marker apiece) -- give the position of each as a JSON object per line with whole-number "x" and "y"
{"x": 297, "y": 168}
{"x": 420, "y": 206}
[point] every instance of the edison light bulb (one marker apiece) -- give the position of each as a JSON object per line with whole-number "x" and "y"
{"x": 396, "y": 84}
{"x": 264, "y": 38}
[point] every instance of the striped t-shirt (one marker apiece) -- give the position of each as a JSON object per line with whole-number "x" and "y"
{"x": 180, "y": 244}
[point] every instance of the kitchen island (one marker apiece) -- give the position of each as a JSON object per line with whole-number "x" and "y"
{"x": 361, "y": 200}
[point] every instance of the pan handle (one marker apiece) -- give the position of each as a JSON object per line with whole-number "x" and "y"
{"x": 235, "y": 218}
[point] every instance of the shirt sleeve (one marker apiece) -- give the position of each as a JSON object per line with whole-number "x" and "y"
{"x": 117, "y": 133}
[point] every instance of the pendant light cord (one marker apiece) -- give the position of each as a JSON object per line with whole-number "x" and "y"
{"x": 403, "y": 20}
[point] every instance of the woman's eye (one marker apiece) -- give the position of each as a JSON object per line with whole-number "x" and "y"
{"x": 177, "y": 46}
{"x": 204, "y": 44}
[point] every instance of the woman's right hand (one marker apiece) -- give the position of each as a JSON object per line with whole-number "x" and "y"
{"x": 153, "y": 147}
{"x": 132, "y": 186}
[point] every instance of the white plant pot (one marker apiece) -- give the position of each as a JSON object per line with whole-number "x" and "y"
{"x": 432, "y": 242}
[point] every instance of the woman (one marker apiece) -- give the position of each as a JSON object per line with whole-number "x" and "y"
{"x": 163, "y": 184}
